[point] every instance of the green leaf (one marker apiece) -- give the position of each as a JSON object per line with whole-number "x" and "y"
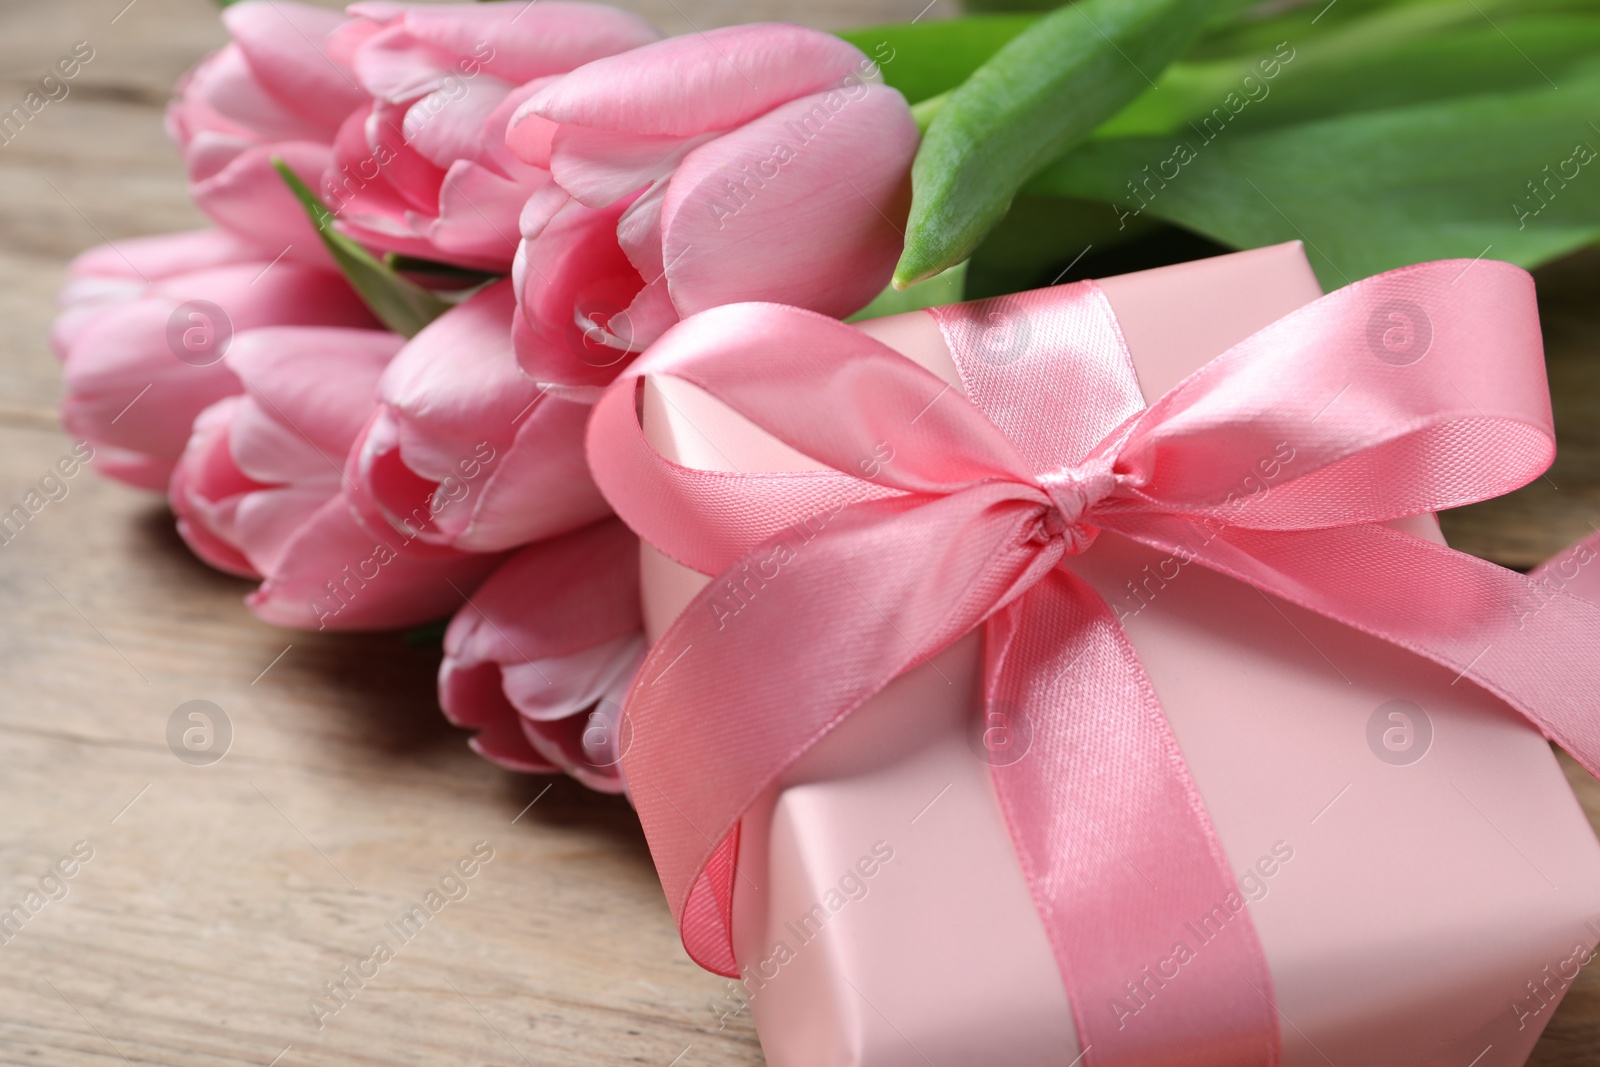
{"x": 1375, "y": 64}
{"x": 1011, "y": 5}
{"x": 924, "y": 111}
{"x": 945, "y": 288}
{"x": 1512, "y": 176}
{"x": 1381, "y": 21}
{"x": 448, "y": 275}
{"x": 1038, "y": 237}
{"x": 1514, "y": 55}
{"x": 1043, "y": 92}
{"x": 924, "y": 59}
{"x": 428, "y": 634}
{"x": 402, "y": 305}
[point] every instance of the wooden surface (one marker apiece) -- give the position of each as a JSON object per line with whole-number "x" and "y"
{"x": 220, "y": 898}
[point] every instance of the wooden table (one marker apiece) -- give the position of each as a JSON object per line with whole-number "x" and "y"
{"x": 220, "y": 898}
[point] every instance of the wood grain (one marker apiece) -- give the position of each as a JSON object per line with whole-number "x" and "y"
{"x": 220, "y": 898}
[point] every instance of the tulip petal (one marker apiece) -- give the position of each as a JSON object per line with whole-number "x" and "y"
{"x": 207, "y": 472}
{"x": 576, "y": 278}
{"x": 127, "y": 388}
{"x": 651, "y": 314}
{"x": 346, "y": 40}
{"x": 558, "y": 687}
{"x": 687, "y": 85}
{"x": 213, "y": 551}
{"x": 448, "y": 125}
{"x": 250, "y": 198}
{"x": 227, "y": 84}
{"x": 539, "y": 211}
{"x": 127, "y": 391}
{"x": 210, "y": 151}
{"x": 539, "y": 488}
{"x": 395, "y": 65}
{"x": 470, "y": 692}
{"x": 321, "y": 381}
{"x": 552, "y": 599}
{"x": 589, "y": 746}
{"x": 357, "y": 184}
{"x": 518, "y": 42}
{"x": 639, "y": 232}
{"x": 528, "y": 136}
{"x": 818, "y": 220}
{"x": 336, "y": 574}
{"x": 387, "y": 492}
{"x": 271, "y": 451}
{"x": 164, "y": 255}
{"x": 411, "y": 174}
{"x": 554, "y": 630}
{"x": 266, "y": 522}
{"x": 495, "y": 151}
{"x": 478, "y": 212}
{"x": 122, "y": 271}
{"x": 189, "y": 113}
{"x": 600, "y": 167}
{"x": 285, "y": 43}
{"x": 503, "y": 742}
{"x": 465, "y": 448}
{"x": 564, "y": 743}
{"x": 456, "y": 382}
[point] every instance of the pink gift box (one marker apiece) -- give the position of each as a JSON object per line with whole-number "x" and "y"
{"x": 1423, "y": 883}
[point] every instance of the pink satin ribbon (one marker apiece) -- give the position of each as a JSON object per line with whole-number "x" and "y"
{"x": 973, "y": 522}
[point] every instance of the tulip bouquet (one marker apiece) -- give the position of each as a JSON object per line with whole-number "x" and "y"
{"x": 442, "y": 230}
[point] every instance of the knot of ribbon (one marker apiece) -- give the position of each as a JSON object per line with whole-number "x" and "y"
{"x": 1074, "y": 494}
{"x": 930, "y": 515}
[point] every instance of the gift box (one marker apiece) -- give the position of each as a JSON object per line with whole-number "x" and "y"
{"x": 1408, "y": 878}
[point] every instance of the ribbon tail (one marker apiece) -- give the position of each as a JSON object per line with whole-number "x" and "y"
{"x": 783, "y": 646}
{"x": 1528, "y": 643}
{"x": 1160, "y": 959}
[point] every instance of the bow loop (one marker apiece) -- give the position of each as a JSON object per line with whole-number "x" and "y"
{"x": 1315, "y": 423}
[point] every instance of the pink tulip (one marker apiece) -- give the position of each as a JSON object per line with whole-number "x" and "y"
{"x": 760, "y": 162}
{"x": 259, "y": 491}
{"x": 143, "y": 328}
{"x": 423, "y": 169}
{"x": 277, "y": 90}
{"x": 109, "y": 275}
{"x": 464, "y": 451}
{"x": 540, "y": 658}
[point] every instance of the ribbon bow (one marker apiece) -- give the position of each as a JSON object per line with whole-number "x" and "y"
{"x": 940, "y": 514}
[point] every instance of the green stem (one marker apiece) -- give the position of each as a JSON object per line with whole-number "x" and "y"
{"x": 400, "y": 304}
